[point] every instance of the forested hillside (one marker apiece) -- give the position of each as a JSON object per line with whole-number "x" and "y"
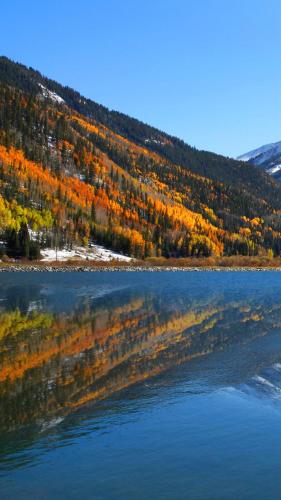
{"x": 71, "y": 172}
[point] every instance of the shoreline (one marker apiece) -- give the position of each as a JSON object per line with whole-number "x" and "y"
{"x": 105, "y": 268}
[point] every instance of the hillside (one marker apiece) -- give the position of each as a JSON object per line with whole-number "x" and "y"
{"x": 71, "y": 172}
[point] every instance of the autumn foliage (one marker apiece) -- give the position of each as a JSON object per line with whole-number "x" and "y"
{"x": 73, "y": 180}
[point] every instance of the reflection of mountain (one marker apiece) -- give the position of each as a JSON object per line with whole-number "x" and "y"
{"x": 265, "y": 385}
{"x": 52, "y": 362}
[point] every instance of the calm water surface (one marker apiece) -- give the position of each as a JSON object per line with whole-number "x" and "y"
{"x": 140, "y": 385}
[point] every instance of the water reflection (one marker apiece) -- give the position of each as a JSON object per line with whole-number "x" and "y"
{"x": 66, "y": 344}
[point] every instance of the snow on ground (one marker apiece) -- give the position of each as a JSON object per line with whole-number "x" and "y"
{"x": 149, "y": 140}
{"x": 51, "y": 95}
{"x": 95, "y": 252}
{"x": 274, "y": 169}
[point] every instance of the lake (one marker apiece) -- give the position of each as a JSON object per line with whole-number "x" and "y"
{"x": 140, "y": 385}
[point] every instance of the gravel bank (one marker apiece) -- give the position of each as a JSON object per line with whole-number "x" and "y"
{"x": 55, "y": 269}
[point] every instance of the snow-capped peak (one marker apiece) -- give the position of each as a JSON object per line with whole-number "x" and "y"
{"x": 50, "y": 95}
{"x": 267, "y": 157}
{"x": 262, "y": 154}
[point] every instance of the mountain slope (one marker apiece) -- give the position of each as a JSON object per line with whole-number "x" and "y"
{"x": 268, "y": 157}
{"x": 71, "y": 171}
{"x": 204, "y": 163}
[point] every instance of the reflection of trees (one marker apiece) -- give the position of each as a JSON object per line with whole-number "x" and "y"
{"x": 51, "y": 363}
{"x": 22, "y": 301}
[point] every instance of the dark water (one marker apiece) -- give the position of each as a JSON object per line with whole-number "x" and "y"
{"x": 140, "y": 385}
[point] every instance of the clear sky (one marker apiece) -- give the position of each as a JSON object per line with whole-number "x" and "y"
{"x": 207, "y": 71}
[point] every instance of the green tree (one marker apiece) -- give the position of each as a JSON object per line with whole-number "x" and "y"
{"x": 24, "y": 240}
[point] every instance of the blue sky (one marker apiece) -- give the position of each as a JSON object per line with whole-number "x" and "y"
{"x": 207, "y": 71}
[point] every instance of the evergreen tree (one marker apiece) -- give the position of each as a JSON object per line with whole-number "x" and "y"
{"x": 24, "y": 240}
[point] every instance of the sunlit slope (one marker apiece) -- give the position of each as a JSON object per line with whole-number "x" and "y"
{"x": 75, "y": 172}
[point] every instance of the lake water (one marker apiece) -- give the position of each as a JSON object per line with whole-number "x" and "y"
{"x": 140, "y": 385}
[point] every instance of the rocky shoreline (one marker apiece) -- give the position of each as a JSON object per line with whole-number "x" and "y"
{"x": 80, "y": 268}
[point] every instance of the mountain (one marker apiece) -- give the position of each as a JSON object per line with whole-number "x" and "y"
{"x": 267, "y": 157}
{"x": 73, "y": 172}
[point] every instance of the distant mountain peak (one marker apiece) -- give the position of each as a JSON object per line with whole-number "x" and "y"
{"x": 267, "y": 157}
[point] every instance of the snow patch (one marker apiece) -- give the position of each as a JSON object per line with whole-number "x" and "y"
{"x": 95, "y": 252}
{"x": 51, "y": 95}
{"x": 81, "y": 177}
{"x": 148, "y": 140}
{"x": 274, "y": 169}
